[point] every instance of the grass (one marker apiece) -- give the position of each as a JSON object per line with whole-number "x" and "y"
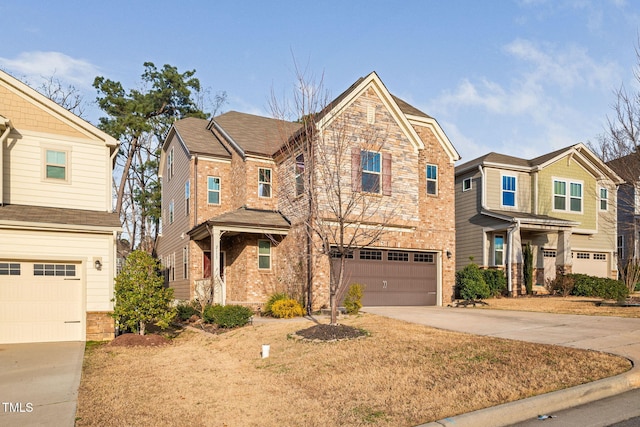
{"x": 402, "y": 375}
{"x": 568, "y": 305}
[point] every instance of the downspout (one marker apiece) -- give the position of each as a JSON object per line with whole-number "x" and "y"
{"x": 195, "y": 191}
{"x": 482, "y": 207}
{"x": 4, "y": 136}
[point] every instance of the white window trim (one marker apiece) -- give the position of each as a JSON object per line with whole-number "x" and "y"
{"x": 187, "y": 197}
{"x": 270, "y": 255}
{"x": 363, "y": 171}
{"x": 171, "y": 212}
{"x": 470, "y": 181}
{"x": 219, "y": 190}
{"x": 270, "y": 183}
{"x": 431, "y": 179}
{"x": 515, "y": 191}
{"x": 67, "y": 166}
{"x": 600, "y": 199}
{"x": 298, "y": 175}
{"x": 567, "y": 196}
{"x": 185, "y": 262}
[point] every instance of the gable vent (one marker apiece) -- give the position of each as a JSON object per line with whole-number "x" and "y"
{"x": 371, "y": 114}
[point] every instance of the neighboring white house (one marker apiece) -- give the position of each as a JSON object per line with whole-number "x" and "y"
{"x": 57, "y": 230}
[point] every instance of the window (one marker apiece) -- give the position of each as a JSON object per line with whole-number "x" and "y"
{"x": 185, "y": 262}
{"x": 170, "y": 164}
{"x": 600, "y": 257}
{"x": 432, "y": 179}
{"x": 56, "y": 165}
{"x": 423, "y": 257}
{"x": 370, "y": 163}
{"x": 620, "y": 247}
{"x": 398, "y": 256}
{"x": 560, "y": 196}
{"x": 498, "y": 250}
{"x": 299, "y": 174}
{"x": 508, "y": 190}
{"x": 264, "y": 182}
{"x": 604, "y": 199}
{"x": 336, "y": 254}
{"x": 62, "y": 270}
{"x": 264, "y": 254}
{"x": 466, "y": 184}
{"x": 9, "y": 269}
{"x": 375, "y": 255}
{"x": 213, "y": 190}
{"x": 187, "y": 197}
{"x": 576, "y": 197}
{"x": 173, "y": 266}
{"x": 171, "y": 212}
{"x": 583, "y": 255}
{"x": 548, "y": 253}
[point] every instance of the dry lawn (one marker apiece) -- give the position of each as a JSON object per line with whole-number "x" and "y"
{"x": 567, "y": 305}
{"x": 402, "y": 375}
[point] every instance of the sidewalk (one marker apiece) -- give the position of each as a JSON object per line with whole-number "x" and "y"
{"x": 614, "y": 335}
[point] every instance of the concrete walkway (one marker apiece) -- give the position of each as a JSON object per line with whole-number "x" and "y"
{"x": 615, "y": 335}
{"x": 39, "y": 383}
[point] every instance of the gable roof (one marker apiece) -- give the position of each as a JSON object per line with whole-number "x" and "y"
{"x": 195, "y": 135}
{"x": 586, "y": 157}
{"x": 253, "y": 135}
{"x": 62, "y": 115}
{"x": 628, "y": 167}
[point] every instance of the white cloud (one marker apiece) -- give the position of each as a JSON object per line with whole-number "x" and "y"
{"x": 36, "y": 65}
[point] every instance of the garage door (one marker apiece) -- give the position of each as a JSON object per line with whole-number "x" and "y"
{"x": 394, "y": 277}
{"x": 40, "y": 301}
{"x": 591, "y": 263}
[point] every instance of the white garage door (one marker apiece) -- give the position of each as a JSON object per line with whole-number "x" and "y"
{"x": 591, "y": 263}
{"x": 40, "y": 301}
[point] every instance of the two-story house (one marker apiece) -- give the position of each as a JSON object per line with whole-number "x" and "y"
{"x": 563, "y": 204}
{"x": 57, "y": 229}
{"x": 232, "y": 196}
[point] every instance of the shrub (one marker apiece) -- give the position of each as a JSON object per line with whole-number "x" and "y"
{"x": 227, "y": 316}
{"x": 470, "y": 283}
{"x": 496, "y": 280}
{"x": 286, "y": 309}
{"x": 563, "y": 284}
{"x": 272, "y": 299}
{"x": 527, "y": 268}
{"x": 140, "y": 294}
{"x": 353, "y": 300}
{"x": 601, "y": 287}
{"x": 185, "y": 310}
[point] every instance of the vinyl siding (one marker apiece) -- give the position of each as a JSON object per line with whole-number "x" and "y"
{"x": 88, "y": 167}
{"x": 494, "y": 190}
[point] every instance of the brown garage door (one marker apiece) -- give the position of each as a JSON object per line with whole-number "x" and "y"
{"x": 394, "y": 277}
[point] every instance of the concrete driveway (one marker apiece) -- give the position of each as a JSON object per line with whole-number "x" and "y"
{"x": 615, "y": 335}
{"x": 39, "y": 383}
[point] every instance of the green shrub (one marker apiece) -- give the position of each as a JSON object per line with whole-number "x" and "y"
{"x": 496, "y": 280}
{"x": 185, "y": 310}
{"x": 272, "y": 299}
{"x": 353, "y": 300}
{"x": 286, "y": 309}
{"x": 563, "y": 284}
{"x": 470, "y": 283}
{"x": 600, "y": 287}
{"x": 227, "y": 316}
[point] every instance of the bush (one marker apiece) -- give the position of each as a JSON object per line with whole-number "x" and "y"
{"x": 140, "y": 294}
{"x": 227, "y": 316}
{"x": 600, "y": 287}
{"x": 286, "y": 309}
{"x": 272, "y": 299}
{"x": 496, "y": 280}
{"x": 185, "y": 310}
{"x": 353, "y": 300}
{"x": 470, "y": 283}
{"x": 563, "y": 284}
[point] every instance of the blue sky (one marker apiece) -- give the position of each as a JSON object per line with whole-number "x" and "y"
{"x": 515, "y": 77}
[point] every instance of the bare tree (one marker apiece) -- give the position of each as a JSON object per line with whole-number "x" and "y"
{"x": 67, "y": 96}
{"x": 324, "y": 190}
{"x": 618, "y": 146}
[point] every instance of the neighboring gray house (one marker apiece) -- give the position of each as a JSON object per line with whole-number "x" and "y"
{"x": 628, "y": 239}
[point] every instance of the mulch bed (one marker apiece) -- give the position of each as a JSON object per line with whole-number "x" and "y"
{"x": 324, "y": 332}
{"x": 137, "y": 340}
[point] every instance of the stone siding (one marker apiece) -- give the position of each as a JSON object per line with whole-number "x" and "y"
{"x": 100, "y": 326}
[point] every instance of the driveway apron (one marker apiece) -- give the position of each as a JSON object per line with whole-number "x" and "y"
{"x": 39, "y": 383}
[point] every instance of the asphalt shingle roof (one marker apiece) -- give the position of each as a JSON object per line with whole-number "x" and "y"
{"x": 49, "y": 215}
{"x": 198, "y": 138}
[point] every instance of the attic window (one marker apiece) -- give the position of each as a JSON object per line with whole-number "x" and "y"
{"x": 56, "y": 165}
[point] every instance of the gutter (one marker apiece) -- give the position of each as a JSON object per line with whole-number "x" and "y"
{"x": 3, "y": 137}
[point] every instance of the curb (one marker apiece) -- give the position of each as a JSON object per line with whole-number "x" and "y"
{"x": 529, "y": 408}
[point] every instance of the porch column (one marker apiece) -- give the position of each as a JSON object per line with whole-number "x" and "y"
{"x": 219, "y": 287}
{"x": 515, "y": 267}
{"x": 564, "y": 262}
